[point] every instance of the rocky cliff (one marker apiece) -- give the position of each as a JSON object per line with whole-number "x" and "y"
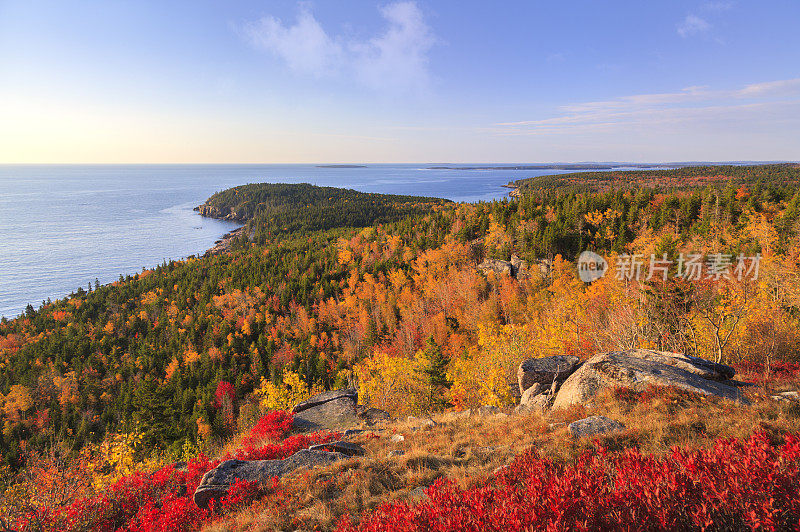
{"x": 220, "y": 213}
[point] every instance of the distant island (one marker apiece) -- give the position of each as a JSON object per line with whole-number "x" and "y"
{"x": 600, "y": 165}
{"x": 341, "y": 166}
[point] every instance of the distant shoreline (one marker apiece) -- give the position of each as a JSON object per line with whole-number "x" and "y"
{"x": 554, "y": 167}
{"x": 341, "y": 166}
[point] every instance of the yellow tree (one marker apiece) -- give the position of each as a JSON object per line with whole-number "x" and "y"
{"x": 392, "y": 383}
{"x": 17, "y": 402}
{"x": 719, "y": 310}
{"x": 293, "y": 391}
{"x": 486, "y": 374}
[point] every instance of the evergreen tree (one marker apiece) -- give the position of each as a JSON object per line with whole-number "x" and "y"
{"x": 436, "y": 374}
{"x": 155, "y": 414}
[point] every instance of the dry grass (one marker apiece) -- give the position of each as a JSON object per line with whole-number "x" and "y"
{"x": 467, "y": 451}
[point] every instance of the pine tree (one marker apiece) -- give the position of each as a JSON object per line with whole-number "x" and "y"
{"x": 435, "y": 371}
{"x": 156, "y": 415}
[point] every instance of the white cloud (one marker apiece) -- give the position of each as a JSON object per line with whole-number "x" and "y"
{"x": 784, "y": 87}
{"x": 304, "y": 46}
{"x": 693, "y": 107}
{"x": 396, "y": 59}
{"x": 692, "y": 25}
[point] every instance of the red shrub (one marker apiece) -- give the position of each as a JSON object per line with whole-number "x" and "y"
{"x": 733, "y": 486}
{"x": 164, "y": 500}
{"x": 286, "y": 448}
{"x": 272, "y": 426}
{"x": 240, "y": 494}
{"x": 778, "y": 372}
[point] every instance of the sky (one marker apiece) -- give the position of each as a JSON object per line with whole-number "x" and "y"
{"x": 281, "y": 81}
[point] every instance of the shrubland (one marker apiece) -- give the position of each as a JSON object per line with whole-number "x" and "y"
{"x": 682, "y": 460}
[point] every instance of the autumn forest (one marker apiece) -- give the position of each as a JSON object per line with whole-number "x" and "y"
{"x": 327, "y": 288}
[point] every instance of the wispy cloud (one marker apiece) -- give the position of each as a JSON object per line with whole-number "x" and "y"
{"x": 398, "y": 57}
{"x": 395, "y": 59}
{"x": 716, "y": 6}
{"x": 692, "y": 25}
{"x": 784, "y": 87}
{"x": 304, "y": 46}
{"x": 691, "y": 105}
{"x": 695, "y": 25}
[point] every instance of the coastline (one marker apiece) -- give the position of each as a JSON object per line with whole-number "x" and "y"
{"x": 125, "y": 226}
{"x": 514, "y": 192}
{"x": 223, "y": 245}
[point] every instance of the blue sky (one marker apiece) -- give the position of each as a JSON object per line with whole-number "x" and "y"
{"x": 282, "y": 81}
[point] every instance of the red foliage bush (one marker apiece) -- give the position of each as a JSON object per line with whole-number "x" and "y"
{"x": 778, "y": 371}
{"x": 272, "y": 426}
{"x": 225, "y": 393}
{"x": 164, "y": 500}
{"x": 240, "y": 494}
{"x": 735, "y": 485}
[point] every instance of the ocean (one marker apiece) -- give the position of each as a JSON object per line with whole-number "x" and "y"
{"x": 65, "y": 226}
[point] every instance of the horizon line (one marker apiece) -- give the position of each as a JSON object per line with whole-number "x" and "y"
{"x": 438, "y": 163}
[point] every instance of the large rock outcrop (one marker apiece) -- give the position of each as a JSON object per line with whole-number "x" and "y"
{"x": 324, "y": 397}
{"x": 215, "y": 483}
{"x": 545, "y": 371}
{"x": 516, "y": 267}
{"x": 220, "y": 213}
{"x": 498, "y": 266}
{"x": 335, "y": 409}
{"x": 641, "y": 368}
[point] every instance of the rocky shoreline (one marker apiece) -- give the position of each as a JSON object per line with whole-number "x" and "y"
{"x": 219, "y": 213}
{"x": 514, "y": 192}
{"x": 223, "y": 245}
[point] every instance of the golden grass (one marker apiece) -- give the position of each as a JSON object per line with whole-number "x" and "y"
{"x": 467, "y": 451}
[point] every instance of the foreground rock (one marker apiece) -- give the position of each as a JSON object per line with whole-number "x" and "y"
{"x": 787, "y": 396}
{"x": 324, "y": 397}
{"x": 640, "y": 368}
{"x": 331, "y": 410}
{"x": 344, "y": 447}
{"x": 697, "y": 366}
{"x": 215, "y": 483}
{"x": 594, "y": 425}
{"x": 545, "y": 371}
{"x": 535, "y": 399}
{"x": 372, "y": 416}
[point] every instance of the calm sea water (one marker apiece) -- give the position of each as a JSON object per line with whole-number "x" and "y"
{"x": 63, "y": 226}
